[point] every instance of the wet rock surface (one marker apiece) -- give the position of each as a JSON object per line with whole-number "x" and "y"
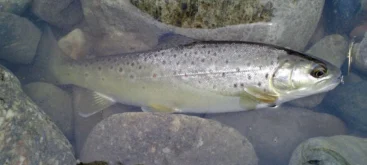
{"x": 359, "y": 55}
{"x": 27, "y": 135}
{"x": 335, "y": 150}
{"x": 291, "y": 25}
{"x": 348, "y": 102}
{"x": 55, "y": 102}
{"x": 63, "y": 14}
{"x": 275, "y": 133}
{"x": 19, "y": 39}
{"x": 14, "y": 6}
{"x": 146, "y": 138}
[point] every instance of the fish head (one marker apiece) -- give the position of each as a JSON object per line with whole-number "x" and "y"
{"x": 299, "y": 76}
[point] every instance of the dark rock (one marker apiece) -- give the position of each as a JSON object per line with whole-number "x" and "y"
{"x": 19, "y": 39}
{"x": 63, "y": 14}
{"x": 348, "y": 102}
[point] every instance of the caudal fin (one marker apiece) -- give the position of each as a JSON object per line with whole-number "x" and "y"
{"x": 48, "y": 61}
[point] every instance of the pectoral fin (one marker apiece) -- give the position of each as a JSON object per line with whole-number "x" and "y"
{"x": 88, "y": 102}
{"x": 264, "y": 97}
{"x": 158, "y": 108}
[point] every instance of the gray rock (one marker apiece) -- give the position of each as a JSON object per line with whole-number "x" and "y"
{"x": 156, "y": 138}
{"x": 19, "y": 39}
{"x": 275, "y": 133}
{"x": 14, "y": 6}
{"x": 348, "y": 102}
{"x": 291, "y": 25}
{"x": 63, "y": 14}
{"x": 335, "y": 150}
{"x": 27, "y": 135}
{"x": 55, "y": 102}
{"x": 360, "y": 55}
{"x": 332, "y": 48}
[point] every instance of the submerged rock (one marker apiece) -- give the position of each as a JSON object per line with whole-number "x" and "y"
{"x": 275, "y": 133}
{"x": 63, "y": 14}
{"x": 14, "y": 6}
{"x": 282, "y": 22}
{"x": 156, "y": 138}
{"x": 55, "y": 102}
{"x": 19, "y": 39}
{"x": 332, "y": 48}
{"x": 27, "y": 136}
{"x": 348, "y": 102}
{"x": 360, "y": 55}
{"x": 335, "y": 150}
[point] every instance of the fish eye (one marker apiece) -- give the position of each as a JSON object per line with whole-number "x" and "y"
{"x": 318, "y": 71}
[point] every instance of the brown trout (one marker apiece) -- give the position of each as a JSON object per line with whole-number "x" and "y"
{"x": 201, "y": 77}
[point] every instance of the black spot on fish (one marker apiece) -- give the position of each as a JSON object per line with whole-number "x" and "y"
{"x": 272, "y": 63}
{"x": 208, "y": 51}
{"x": 249, "y": 77}
{"x": 132, "y": 64}
{"x": 86, "y": 65}
{"x": 162, "y": 53}
{"x": 202, "y": 60}
{"x": 175, "y": 55}
{"x": 178, "y": 63}
{"x": 235, "y": 85}
{"x": 192, "y": 62}
{"x": 164, "y": 62}
{"x": 248, "y": 64}
{"x": 127, "y": 63}
{"x": 215, "y": 54}
{"x": 185, "y": 54}
{"x": 214, "y": 86}
{"x": 102, "y": 79}
{"x": 120, "y": 69}
{"x": 99, "y": 68}
{"x": 196, "y": 52}
{"x": 155, "y": 55}
{"x": 267, "y": 75}
{"x": 238, "y": 69}
{"x": 86, "y": 74}
{"x": 286, "y": 60}
{"x": 143, "y": 87}
{"x": 140, "y": 67}
{"x": 259, "y": 84}
{"x": 223, "y": 74}
{"x": 199, "y": 82}
{"x": 242, "y": 85}
{"x": 226, "y": 61}
{"x": 131, "y": 76}
{"x": 145, "y": 59}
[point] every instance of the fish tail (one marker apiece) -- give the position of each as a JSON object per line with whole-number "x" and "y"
{"x": 48, "y": 64}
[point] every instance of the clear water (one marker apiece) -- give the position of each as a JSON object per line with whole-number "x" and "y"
{"x": 275, "y": 135}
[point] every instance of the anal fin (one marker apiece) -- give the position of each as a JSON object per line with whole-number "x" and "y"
{"x": 88, "y": 102}
{"x": 158, "y": 108}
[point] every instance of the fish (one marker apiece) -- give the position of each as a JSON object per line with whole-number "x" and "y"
{"x": 199, "y": 77}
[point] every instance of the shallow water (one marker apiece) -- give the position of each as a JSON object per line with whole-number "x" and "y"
{"x": 85, "y": 29}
